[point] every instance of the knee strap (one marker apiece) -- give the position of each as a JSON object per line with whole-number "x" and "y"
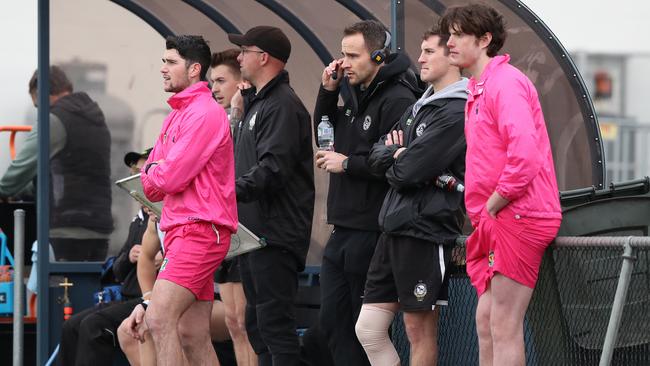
{"x": 372, "y": 332}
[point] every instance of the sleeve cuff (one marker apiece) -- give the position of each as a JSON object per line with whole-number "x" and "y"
{"x": 505, "y": 194}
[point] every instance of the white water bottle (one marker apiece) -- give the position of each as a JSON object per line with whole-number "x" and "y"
{"x": 325, "y": 134}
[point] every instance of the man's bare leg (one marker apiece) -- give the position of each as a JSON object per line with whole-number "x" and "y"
{"x": 232, "y": 294}
{"x": 168, "y": 303}
{"x": 510, "y": 300}
{"x": 194, "y": 333}
{"x": 483, "y": 330}
{"x": 422, "y": 331}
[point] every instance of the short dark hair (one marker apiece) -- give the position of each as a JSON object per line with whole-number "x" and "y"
{"x": 477, "y": 20}
{"x": 193, "y": 49}
{"x": 373, "y": 32}
{"x": 59, "y": 82}
{"x": 227, "y": 58}
{"x": 442, "y": 37}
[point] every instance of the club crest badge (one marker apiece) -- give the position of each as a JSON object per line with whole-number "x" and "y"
{"x": 409, "y": 121}
{"x": 251, "y": 122}
{"x": 420, "y": 291}
{"x": 164, "y": 264}
{"x": 366, "y": 123}
{"x": 420, "y": 129}
{"x": 491, "y": 259}
{"x": 348, "y": 112}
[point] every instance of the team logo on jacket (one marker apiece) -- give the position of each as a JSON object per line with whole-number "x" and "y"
{"x": 409, "y": 121}
{"x": 366, "y": 123}
{"x": 420, "y": 129}
{"x": 251, "y": 123}
{"x": 164, "y": 264}
{"x": 420, "y": 291}
{"x": 491, "y": 259}
{"x": 348, "y": 112}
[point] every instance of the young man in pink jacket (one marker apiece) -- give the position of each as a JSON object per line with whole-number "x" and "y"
{"x": 191, "y": 169}
{"x": 511, "y": 192}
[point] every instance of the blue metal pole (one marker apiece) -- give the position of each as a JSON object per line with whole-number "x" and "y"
{"x": 397, "y": 25}
{"x": 43, "y": 174}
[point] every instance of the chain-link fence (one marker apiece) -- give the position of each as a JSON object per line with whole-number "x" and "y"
{"x": 568, "y": 316}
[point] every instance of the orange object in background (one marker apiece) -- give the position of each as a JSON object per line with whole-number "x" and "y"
{"x": 12, "y": 139}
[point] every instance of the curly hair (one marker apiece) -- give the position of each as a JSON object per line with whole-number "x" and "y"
{"x": 477, "y": 20}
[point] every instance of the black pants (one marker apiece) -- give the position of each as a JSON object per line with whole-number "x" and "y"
{"x": 270, "y": 280}
{"x": 346, "y": 260}
{"x": 90, "y": 337}
{"x": 79, "y": 250}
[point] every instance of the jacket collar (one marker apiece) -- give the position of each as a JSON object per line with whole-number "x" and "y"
{"x": 251, "y": 94}
{"x": 475, "y": 87}
{"x": 183, "y": 98}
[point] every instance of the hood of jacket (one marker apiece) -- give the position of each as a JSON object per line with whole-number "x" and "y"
{"x": 81, "y": 105}
{"x": 457, "y": 90}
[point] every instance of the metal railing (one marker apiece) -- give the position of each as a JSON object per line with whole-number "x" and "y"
{"x": 589, "y": 307}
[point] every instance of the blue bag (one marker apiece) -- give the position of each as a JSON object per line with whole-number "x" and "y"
{"x": 6, "y": 284}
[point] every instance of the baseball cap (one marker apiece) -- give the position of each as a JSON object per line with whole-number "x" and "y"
{"x": 269, "y": 39}
{"x": 132, "y": 157}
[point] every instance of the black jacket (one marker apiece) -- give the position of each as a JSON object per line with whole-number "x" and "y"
{"x": 124, "y": 271}
{"x": 435, "y": 144}
{"x": 274, "y": 167}
{"x": 80, "y": 182}
{"x": 355, "y": 196}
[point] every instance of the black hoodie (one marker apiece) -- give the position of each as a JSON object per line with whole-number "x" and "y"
{"x": 355, "y": 196}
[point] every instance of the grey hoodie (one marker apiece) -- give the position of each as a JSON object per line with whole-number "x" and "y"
{"x": 455, "y": 90}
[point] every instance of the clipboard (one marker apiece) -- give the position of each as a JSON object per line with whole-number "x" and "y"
{"x": 243, "y": 241}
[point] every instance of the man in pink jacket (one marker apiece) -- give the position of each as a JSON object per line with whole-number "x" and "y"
{"x": 511, "y": 192}
{"x": 191, "y": 169}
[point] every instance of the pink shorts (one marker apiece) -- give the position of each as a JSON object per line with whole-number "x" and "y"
{"x": 511, "y": 245}
{"x": 192, "y": 254}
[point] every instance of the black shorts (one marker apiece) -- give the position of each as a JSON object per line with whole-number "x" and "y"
{"x": 228, "y": 271}
{"x": 409, "y": 271}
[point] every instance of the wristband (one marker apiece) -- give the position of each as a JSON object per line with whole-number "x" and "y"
{"x": 144, "y": 304}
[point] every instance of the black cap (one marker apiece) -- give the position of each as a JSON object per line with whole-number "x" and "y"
{"x": 269, "y": 39}
{"x": 132, "y": 157}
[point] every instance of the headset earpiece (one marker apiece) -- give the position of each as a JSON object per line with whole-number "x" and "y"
{"x": 379, "y": 56}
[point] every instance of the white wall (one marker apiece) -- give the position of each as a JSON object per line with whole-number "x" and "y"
{"x": 18, "y": 27}
{"x": 597, "y": 25}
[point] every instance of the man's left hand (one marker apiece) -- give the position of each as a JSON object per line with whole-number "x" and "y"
{"x": 495, "y": 203}
{"x": 331, "y": 161}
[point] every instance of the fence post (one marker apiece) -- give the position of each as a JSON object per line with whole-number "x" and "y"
{"x": 619, "y": 303}
{"x": 19, "y": 292}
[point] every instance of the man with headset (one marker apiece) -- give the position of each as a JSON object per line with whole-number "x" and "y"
{"x": 376, "y": 88}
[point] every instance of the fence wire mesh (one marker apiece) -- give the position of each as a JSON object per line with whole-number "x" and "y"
{"x": 568, "y": 315}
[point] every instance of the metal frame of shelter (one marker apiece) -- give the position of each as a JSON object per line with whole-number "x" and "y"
{"x": 397, "y": 9}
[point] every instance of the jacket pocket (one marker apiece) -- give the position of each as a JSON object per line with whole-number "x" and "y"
{"x": 398, "y": 212}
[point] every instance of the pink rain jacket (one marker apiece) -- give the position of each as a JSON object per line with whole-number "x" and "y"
{"x": 196, "y": 180}
{"x": 508, "y": 149}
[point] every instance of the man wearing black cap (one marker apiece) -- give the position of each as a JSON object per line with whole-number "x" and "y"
{"x": 275, "y": 192}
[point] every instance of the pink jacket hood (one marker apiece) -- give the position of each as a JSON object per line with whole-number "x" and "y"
{"x": 508, "y": 148}
{"x": 196, "y": 177}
